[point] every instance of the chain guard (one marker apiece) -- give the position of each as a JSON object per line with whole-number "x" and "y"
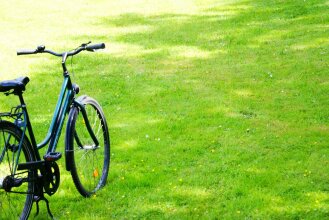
{"x": 52, "y": 178}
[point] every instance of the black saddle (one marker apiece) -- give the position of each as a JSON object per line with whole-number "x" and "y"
{"x": 18, "y": 85}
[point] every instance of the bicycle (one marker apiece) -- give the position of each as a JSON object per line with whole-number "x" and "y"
{"x": 25, "y": 177}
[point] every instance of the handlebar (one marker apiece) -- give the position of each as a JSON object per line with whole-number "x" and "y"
{"x": 64, "y": 55}
{"x": 94, "y": 47}
{"x": 42, "y": 49}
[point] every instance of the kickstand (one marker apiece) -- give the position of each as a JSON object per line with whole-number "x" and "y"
{"x": 37, "y": 199}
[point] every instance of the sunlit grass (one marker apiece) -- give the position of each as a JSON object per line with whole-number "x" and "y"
{"x": 217, "y": 109}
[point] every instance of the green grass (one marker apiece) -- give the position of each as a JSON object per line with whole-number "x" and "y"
{"x": 217, "y": 109}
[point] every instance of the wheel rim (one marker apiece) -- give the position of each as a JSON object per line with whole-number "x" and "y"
{"x": 17, "y": 203}
{"x": 89, "y": 159}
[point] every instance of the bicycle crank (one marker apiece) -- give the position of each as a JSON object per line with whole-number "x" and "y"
{"x": 51, "y": 178}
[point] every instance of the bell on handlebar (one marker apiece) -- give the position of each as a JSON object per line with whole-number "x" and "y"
{"x": 41, "y": 48}
{"x": 85, "y": 44}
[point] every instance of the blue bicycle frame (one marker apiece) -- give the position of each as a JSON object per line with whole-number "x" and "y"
{"x": 65, "y": 101}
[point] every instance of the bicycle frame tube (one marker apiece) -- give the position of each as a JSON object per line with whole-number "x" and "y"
{"x": 64, "y": 101}
{"x": 14, "y": 165}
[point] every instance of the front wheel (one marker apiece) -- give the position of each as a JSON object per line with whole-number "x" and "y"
{"x": 89, "y": 163}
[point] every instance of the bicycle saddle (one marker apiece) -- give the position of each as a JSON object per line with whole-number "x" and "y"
{"x": 18, "y": 85}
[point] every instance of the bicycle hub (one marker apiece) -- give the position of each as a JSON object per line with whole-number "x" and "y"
{"x": 10, "y": 182}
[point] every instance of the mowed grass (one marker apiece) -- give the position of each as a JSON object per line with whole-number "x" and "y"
{"x": 217, "y": 109}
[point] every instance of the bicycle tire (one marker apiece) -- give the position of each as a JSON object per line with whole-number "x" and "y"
{"x": 89, "y": 166}
{"x": 11, "y": 202}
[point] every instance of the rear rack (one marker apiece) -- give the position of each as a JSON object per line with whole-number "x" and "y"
{"x": 15, "y": 114}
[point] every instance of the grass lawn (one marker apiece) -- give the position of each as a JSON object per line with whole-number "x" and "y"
{"x": 216, "y": 109}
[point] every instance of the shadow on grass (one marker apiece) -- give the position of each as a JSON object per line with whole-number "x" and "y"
{"x": 207, "y": 111}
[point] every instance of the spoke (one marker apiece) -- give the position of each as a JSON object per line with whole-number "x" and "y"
{"x": 99, "y": 171}
{"x": 5, "y": 150}
{"x": 94, "y": 167}
{"x": 4, "y": 147}
{"x": 8, "y": 160}
{"x": 99, "y": 129}
{"x": 19, "y": 197}
{"x": 84, "y": 155}
{"x": 94, "y": 119}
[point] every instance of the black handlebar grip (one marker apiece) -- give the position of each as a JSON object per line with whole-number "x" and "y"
{"x": 95, "y": 47}
{"x": 25, "y": 52}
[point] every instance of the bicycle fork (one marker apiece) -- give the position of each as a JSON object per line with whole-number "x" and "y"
{"x": 79, "y": 103}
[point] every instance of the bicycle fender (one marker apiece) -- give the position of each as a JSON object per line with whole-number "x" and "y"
{"x": 68, "y": 147}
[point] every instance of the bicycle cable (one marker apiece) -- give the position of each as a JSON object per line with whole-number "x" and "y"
{"x": 72, "y": 70}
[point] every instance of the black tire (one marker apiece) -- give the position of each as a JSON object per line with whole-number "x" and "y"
{"x": 15, "y": 205}
{"x": 89, "y": 165}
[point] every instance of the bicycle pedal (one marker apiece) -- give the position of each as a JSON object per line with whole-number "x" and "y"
{"x": 52, "y": 156}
